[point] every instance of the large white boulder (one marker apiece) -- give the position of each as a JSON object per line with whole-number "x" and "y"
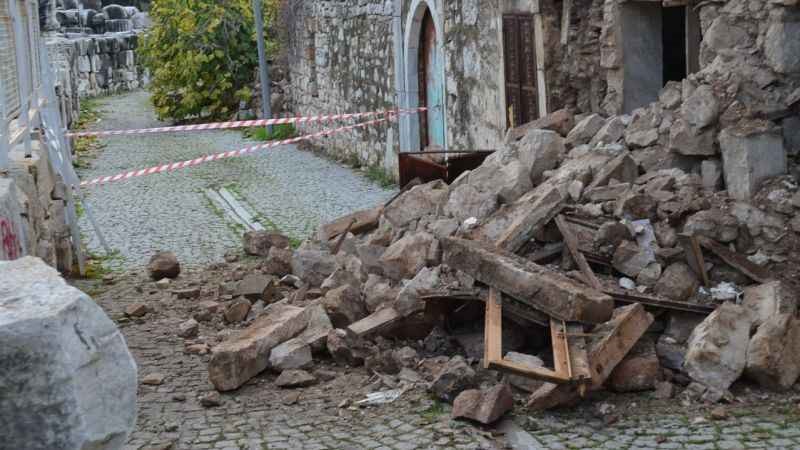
{"x": 67, "y": 379}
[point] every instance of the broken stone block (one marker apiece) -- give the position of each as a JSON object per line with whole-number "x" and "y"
{"x": 407, "y": 256}
{"x": 206, "y": 310}
{"x": 711, "y": 173}
{"x": 678, "y": 282}
{"x": 378, "y": 291}
{"x": 188, "y": 329}
{"x": 408, "y": 298}
{"x": 370, "y": 257}
{"x": 751, "y": 153}
{"x": 344, "y": 306}
{"x": 781, "y": 46}
{"x": 701, "y": 107}
{"x": 382, "y": 362}
{"x": 68, "y": 379}
{"x": 253, "y": 287}
{"x": 467, "y": 201}
{"x": 612, "y": 233}
{"x": 687, "y": 140}
{"x": 246, "y": 354}
{"x": 346, "y": 348}
{"x": 773, "y": 355}
{"x": 137, "y": 309}
{"x": 631, "y": 259}
{"x": 294, "y": 379}
{"x": 455, "y": 377}
{"x": 419, "y": 201}
{"x": 292, "y": 354}
{"x": 610, "y": 133}
{"x": 549, "y": 291}
{"x": 768, "y": 300}
{"x": 485, "y": 406}
{"x": 259, "y": 243}
{"x": 561, "y": 121}
{"x": 638, "y": 371}
{"x": 585, "y": 130}
{"x": 717, "y": 349}
{"x": 671, "y": 346}
{"x": 164, "y": 265}
{"x": 237, "y": 310}
{"x": 524, "y": 383}
{"x": 713, "y": 224}
{"x": 313, "y": 266}
{"x": 279, "y": 261}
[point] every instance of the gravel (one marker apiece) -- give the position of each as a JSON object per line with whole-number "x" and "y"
{"x": 291, "y": 189}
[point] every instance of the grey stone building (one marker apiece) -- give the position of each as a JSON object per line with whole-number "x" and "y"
{"x": 482, "y": 67}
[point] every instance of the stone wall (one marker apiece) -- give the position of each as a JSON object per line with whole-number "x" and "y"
{"x": 342, "y": 61}
{"x": 346, "y": 53}
{"x": 94, "y": 65}
{"x": 32, "y": 210}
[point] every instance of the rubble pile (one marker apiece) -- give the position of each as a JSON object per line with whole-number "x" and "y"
{"x": 588, "y": 253}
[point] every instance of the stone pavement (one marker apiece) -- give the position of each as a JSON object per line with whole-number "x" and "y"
{"x": 293, "y": 190}
{"x": 263, "y": 416}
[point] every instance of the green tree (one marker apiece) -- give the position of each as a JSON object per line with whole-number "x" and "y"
{"x": 202, "y": 56}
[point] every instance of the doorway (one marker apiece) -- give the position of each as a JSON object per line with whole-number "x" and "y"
{"x": 431, "y": 125}
{"x": 660, "y": 44}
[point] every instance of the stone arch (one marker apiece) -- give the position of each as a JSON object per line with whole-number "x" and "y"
{"x": 411, "y": 45}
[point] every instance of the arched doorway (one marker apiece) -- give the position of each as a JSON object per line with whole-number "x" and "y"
{"x": 425, "y": 76}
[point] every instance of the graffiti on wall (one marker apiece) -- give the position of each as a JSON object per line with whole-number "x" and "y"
{"x": 9, "y": 243}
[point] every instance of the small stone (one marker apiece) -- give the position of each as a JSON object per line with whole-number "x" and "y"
{"x": 295, "y": 378}
{"x": 291, "y": 398}
{"x": 259, "y": 243}
{"x": 179, "y": 398}
{"x": 187, "y": 294}
{"x": 153, "y": 379}
{"x": 237, "y": 311}
{"x": 211, "y": 399}
{"x": 454, "y": 377}
{"x": 188, "y": 329}
{"x": 486, "y": 406}
{"x": 164, "y": 265}
{"x": 163, "y": 283}
{"x": 678, "y": 282}
{"x": 197, "y": 349}
{"x": 664, "y": 390}
{"x": 719, "y": 413}
{"x": 627, "y": 283}
{"x": 325, "y": 375}
{"x": 137, "y": 310}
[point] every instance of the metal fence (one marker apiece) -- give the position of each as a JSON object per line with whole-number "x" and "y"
{"x": 29, "y": 107}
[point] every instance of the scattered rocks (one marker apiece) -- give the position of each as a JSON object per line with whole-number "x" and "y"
{"x": 153, "y": 379}
{"x": 137, "y": 309}
{"x": 485, "y": 406}
{"x": 211, "y": 399}
{"x": 454, "y": 377}
{"x": 294, "y": 379}
{"x": 164, "y": 265}
{"x": 188, "y": 329}
{"x": 237, "y": 310}
{"x": 678, "y": 282}
{"x": 259, "y": 243}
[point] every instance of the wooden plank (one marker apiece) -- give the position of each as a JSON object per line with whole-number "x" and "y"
{"x": 558, "y": 336}
{"x": 342, "y": 237}
{"x": 657, "y": 302}
{"x": 736, "y": 260}
{"x": 617, "y": 337}
{"x": 365, "y": 220}
{"x": 578, "y": 353}
{"x": 376, "y": 322}
{"x": 493, "y": 329}
{"x": 694, "y": 257}
{"x": 539, "y": 373}
{"x": 577, "y": 256}
{"x": 548, "y": 291}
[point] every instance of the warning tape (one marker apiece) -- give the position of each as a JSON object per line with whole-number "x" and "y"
{"x": 234, "y": 153}
{"x": 246, "y": 123}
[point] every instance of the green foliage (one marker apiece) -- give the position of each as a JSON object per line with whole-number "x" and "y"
{"x": 279, "y": 132}
{"x": 380, "y": 176}
{"x": 85, "y": 147}
{"x": 202, "y": 56}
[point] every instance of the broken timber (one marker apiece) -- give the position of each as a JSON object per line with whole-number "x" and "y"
{"x": 572, "y": 245}
{"x": 694, "y": 257}
{"x": 618, "y": 336}
{"x": 569, "y": 354}
{"x": 735, "y": 260}
{"x": 550, "y": 292}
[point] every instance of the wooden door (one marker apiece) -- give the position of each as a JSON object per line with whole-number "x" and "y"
{"x": 431, "y": 87}
{"x": 519, "y": 50}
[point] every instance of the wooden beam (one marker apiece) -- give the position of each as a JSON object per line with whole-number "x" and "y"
{"x": 578, "y": 353}
{"x": 541, "y": 288}
{"x": 577, "y": 256}
{"x": 736, "y": 260}
{"x": 493, "y": 328}
{"x": 538, "y": 373}
{"x": 694, "y": 257}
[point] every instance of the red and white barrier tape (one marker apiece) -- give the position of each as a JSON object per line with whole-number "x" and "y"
{"x": 246, "y": 123}
{"x": 234, "y": 153}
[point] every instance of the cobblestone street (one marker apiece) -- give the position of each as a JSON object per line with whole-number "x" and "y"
{"x": 293, "y": 190}
{"x": 262, "y": 416}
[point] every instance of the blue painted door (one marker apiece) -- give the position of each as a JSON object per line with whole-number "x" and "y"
{"x": 431, "y": 87}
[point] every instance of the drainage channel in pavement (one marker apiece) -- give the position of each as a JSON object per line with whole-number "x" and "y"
{"x": 234, "y": 211}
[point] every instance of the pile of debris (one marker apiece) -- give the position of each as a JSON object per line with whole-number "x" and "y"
{"x": 615, "y": 263}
